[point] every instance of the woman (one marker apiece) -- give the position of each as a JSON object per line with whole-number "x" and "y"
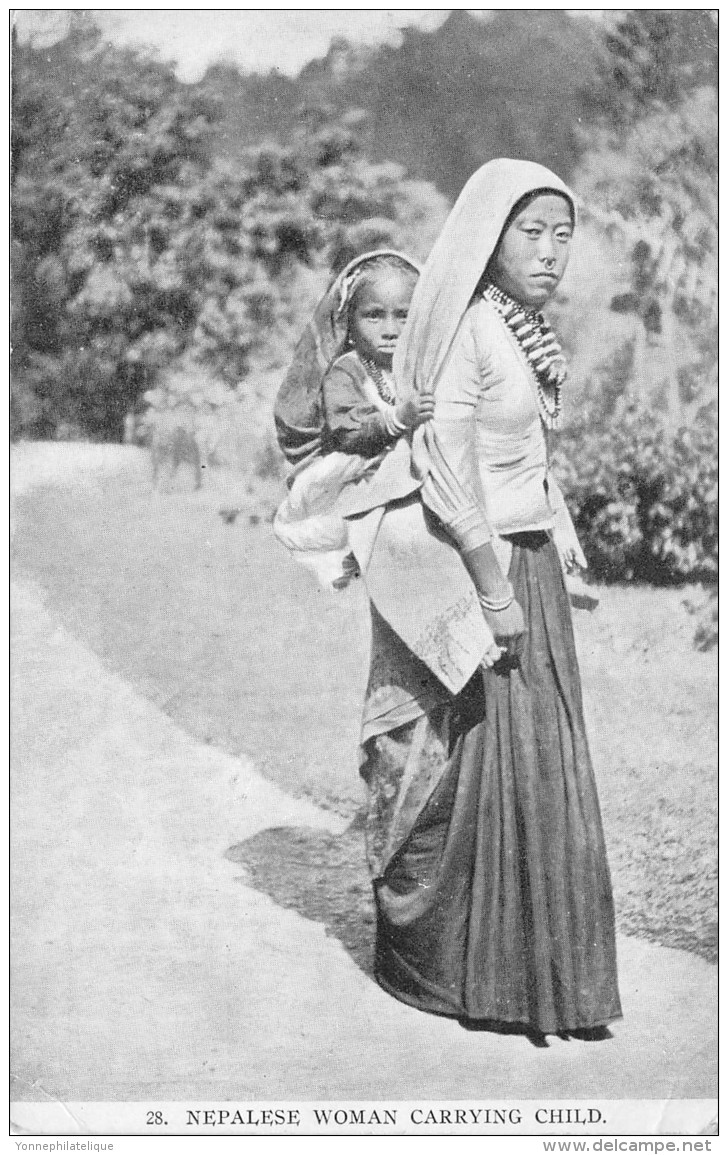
{"x": 492, "y": 889}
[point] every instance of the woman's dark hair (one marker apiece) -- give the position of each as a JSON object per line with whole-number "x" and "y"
{"x": 533, "y": 195}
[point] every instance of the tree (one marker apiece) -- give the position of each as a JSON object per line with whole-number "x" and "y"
{"x": 503, "y": 83}
{"x": 653, "y": 191}
{"x": 638, "y": 460}
{"x": 121, "y": 129}
{"x": 447, "y": 101}
{"x": 650, "y": 60}
{"x": 136, "y": 250}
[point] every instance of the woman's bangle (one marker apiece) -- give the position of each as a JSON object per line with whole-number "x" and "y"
{"x": 394, "y": 427}
{"x": 494, "y": 606}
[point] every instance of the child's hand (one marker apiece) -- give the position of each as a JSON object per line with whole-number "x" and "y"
{"x": 416, "y": 410}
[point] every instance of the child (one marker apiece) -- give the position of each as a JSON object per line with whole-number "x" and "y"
{"x": 338, "y": 415}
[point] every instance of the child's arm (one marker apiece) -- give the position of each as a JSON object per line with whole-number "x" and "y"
{"x": 416, "y": 410}
{"x": 352, "y": 423}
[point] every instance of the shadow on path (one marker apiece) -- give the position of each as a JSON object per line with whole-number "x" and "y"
{"x": 322, "y": 876}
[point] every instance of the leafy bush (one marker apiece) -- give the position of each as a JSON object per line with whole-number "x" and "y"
{"x": 644, "y": 500}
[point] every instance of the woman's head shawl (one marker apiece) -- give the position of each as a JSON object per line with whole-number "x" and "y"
{"x": 297, "y": 411}
{"x": 457, "y": 262}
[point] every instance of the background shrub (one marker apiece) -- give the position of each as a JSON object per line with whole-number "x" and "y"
{"x": 644, "y": 498}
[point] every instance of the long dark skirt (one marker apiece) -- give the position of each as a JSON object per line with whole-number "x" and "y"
{"x": 499, "y": 904}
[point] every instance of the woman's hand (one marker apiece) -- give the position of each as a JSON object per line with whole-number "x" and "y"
{"x": 493, "y": 654}
{"x": 416, "y": 410}
{"x": 571, "y": 554}
{"x": 507, "y": 627}
{"x": 568, "y": 557}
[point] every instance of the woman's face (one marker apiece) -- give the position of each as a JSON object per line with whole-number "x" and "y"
{"x": 378, "y": 314}
{"x": 534, "y": 252}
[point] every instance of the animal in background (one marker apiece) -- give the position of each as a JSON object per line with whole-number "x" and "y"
{"x": 174, "y": 442}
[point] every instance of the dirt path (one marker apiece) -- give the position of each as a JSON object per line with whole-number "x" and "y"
{"x": 147, "y": 968}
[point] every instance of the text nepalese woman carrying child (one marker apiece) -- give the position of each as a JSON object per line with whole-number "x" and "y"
{"x": 338, "y": 416}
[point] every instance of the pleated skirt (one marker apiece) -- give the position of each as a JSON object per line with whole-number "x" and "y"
{"x": 498, "y": 906}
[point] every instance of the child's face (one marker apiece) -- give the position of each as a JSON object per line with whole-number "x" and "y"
{"x": 378, "y": 315}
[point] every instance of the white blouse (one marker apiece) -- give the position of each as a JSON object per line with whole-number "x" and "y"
{"x": 488, "y": 457}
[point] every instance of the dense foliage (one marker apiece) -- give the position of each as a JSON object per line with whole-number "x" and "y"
{"x": 650, "y": 59}
{"x": 101, "y": 153}
{"x": 136, "y": 250}
{"x": 644, "y": 498}
{"x": 652, "y": 190}
{"x": 505, "y": 83}
{"x": 639, "y": 457}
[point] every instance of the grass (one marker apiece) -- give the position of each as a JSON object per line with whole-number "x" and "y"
{"x": 212, "y": 622}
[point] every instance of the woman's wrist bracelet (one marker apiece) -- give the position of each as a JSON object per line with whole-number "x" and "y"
{"x": 500, "y": 604}
{"x": 392, "y": 424}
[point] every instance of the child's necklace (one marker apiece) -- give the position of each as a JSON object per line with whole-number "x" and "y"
{"x": 540, "y": 347}
{"x": 381, "y": 379}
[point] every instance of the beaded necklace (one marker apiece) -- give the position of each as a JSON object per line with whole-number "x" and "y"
{"x": 540, "y": 347}
{"x": 381, "y": 379}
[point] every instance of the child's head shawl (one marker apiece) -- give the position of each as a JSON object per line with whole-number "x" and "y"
{"x": 457, "y": 262}
{"x": 297, "y": 411}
